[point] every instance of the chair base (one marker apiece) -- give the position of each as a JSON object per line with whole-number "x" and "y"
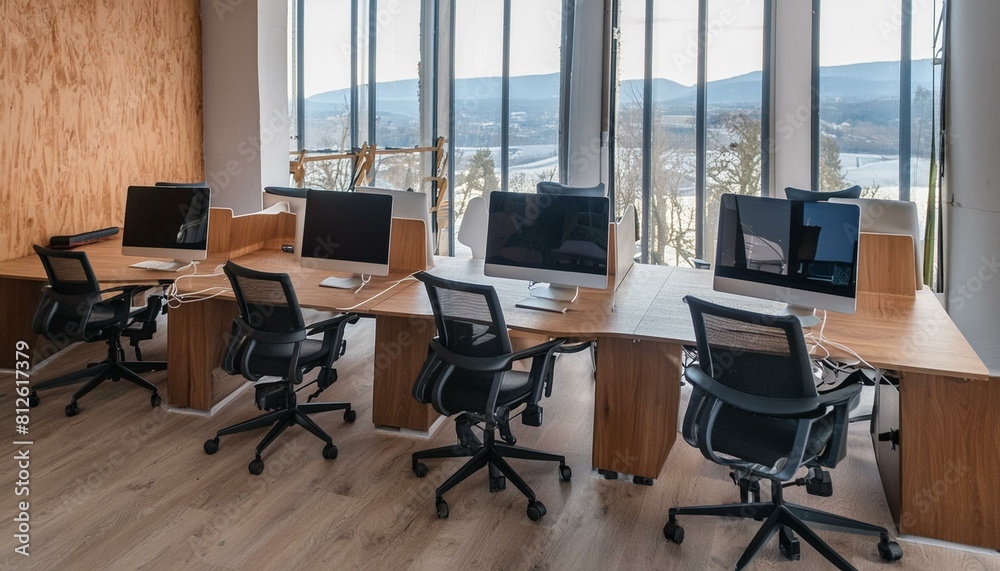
{"x": 114, "y": 368}
{"x": 279, "y": 420}
{"x": 787, "y": 519}
{"x": 491, "y": 455}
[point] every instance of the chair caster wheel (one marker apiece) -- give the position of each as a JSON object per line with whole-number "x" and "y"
{"x": 211, "y": 446}
{"x": 536, "y": 510}
{"x": 350, "y": 415}
{"x": 788, "y": 544}
{"x": 673, "y": 532}
{"x": 642, "y": 480}
{"x": 608, "y": 474}
{"x": 420, "y": 469}
{"x": 72, "y": 409}
{"x": 498, "y": 484}
{"x": 889, "y": 550}
{"x": 330, "y": 451}
{"x": 565, "y": 473}
{"x": 256, "y": 467}
{"x": 34, "y": 399}
{"x": 155, "y": 400}
{"x": 442, "y": 508}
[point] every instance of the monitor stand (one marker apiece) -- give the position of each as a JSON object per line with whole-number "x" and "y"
{"x": 160, "y": 265}
{"x": 553, "y": 297}
{"x": 351, "y": 282}
{"x": 807, "y": 315}
{"x": 556, "y": 292}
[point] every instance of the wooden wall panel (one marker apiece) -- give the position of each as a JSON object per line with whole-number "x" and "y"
{"x": 94, "y": 95}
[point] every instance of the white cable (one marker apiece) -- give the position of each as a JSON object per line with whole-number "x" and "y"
{"x": 357, "y": 305}
{"x": 822, "y": 341}
{"x": 175, "y": 298}
{"x": 364, "y": 282}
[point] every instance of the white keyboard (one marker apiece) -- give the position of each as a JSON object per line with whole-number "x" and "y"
{"x": 173, "y": 266}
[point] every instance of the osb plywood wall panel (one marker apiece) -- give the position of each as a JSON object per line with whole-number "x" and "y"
{"x": 94, "y": 95}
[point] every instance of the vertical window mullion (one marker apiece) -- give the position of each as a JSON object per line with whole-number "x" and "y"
{"x": 355, "y": 100}
{"x": 300, "y": 81}
{"x": 765, "y": 106}
{"x": 814, "y": 132}
{"x": 613, "y": 104}
{"x": 701, "y": 160}
{"x": 505, "y": 100}
{"x": 372, "y": 51}
{"x": 647, "y": 131}
{"x": 905, "y": 108}
{"x": 451, "y": 127}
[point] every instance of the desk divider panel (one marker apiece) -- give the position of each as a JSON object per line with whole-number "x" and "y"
{"x": 408, "y": 246}
{"x": 886, "y": 264}
{"x": 237, "y": 236}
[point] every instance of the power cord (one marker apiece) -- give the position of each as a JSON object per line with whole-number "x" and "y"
{"x": 175, "y": 299}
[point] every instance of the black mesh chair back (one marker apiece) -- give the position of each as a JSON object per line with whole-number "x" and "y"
{"x": 67, "y": 308}
{"x": 69, "y": 272}
{"x": 761, "y": 355}
{"x": 549, "y": 187}
{"x": 469, "y": 319}
{"x": 792, "y": 193}
{"x": 266, "y": 301}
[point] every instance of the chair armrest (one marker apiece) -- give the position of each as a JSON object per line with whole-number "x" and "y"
{"x": 799, "y": 407}
{"x": 492, "y": 364}
{"x": 332, "y": 323}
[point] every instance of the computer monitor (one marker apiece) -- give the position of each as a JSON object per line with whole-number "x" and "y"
{"x": 802, "y": 253}
{"x": 562, "y": 240}
{"x": 411, "y": 205}
{"x": 166, "y": 222}
{"x": 892, "y": 217}
{"x": 347, "y": 232}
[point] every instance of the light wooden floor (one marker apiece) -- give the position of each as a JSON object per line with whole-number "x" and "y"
{"x": 123, "y": 486}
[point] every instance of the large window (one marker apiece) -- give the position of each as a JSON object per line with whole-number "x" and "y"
{"x": 509, "y": 89}
{"x": 691, "y": 117}
{"x": 876, "y": 99}
{"x": 356, "y": 68}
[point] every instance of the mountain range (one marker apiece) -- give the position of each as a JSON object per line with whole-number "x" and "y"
{"x": 864, "y": 81}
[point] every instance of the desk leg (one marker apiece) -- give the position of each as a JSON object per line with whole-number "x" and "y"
{"x": 197, "y": 334}
{"x": 18, "y": 300}
{"x": 400, "y": 351}
{"x": 949, "y": 437}
{"x": 636, "y": 402}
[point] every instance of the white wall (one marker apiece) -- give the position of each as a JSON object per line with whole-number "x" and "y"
{"x": 586, "y": 85}
{"x": 791, "y": 96}
{"x": 244, "y": 67}
{"x": 972, "y": 184}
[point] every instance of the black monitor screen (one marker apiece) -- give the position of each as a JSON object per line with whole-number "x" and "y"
{"x": 174, "y": 218}
{"x": 347, "y": 226}
{"x": 549, "y": 232}
{"x": 809, "y": 246}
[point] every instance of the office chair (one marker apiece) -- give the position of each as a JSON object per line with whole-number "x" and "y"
{"x": 468, "y": 373}
{"x": 472, "y": 232}
{"x": 754, "y": 408}
{"x": 792, "y": 193}
{"x": 270, "y": 347}
{"x": 72, "y": 309}
{"x": 549, "y": 187}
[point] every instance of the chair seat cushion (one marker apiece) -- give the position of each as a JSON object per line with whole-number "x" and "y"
{"x": 272, "y": 359}
{"x": 467, "y": 391}
{"x": 765, "y": 440}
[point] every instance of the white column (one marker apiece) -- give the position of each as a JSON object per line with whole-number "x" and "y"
{"x": 244, "y": 70}
{"x": 972, "y": 212}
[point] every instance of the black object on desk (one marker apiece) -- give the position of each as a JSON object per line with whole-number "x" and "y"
{"x": 74, "y": 240}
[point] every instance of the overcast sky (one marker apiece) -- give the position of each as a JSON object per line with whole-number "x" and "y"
{"x": 852, "y": 31}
